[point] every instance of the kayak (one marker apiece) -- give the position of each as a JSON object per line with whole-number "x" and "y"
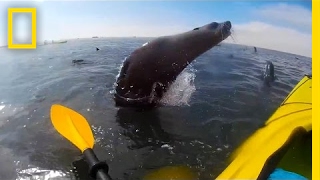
{"x": 282, "y": 148}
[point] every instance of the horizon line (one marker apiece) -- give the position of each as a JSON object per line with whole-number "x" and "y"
{"x": 98, "y": 37}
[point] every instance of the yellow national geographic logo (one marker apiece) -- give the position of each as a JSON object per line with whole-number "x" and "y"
{"x": 33, "y": 44}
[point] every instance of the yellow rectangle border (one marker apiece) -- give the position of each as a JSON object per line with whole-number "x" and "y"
{"x": 315, "y": 89}
{"x": 33, "y": 44}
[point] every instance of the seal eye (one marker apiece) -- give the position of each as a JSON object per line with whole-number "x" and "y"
{"x": 196, "y": 28}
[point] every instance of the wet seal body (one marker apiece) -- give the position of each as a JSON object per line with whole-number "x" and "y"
{"x": 149, "y": 70}
{"x": 268, "y": 74}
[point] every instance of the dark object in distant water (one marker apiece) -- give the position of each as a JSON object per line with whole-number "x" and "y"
{"x": 255, "y": 49}
{"x": 77, "y": 61}
{"x": 268, "y": 74}
{"x": 80, "y": 61}
{"x": 150, "y": 70}
{"x": 230, "y": 56}
{"x": 296, "y": 57}
{"x": 95, "y": 37}
{"x": 97, "y": 49}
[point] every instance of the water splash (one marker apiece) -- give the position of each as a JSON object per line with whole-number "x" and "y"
{"x": 119, "y": 71}
{"x": 38, "y": 173}
{"x": 181, "y": 90}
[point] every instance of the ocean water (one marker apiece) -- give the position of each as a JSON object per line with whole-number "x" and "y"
{"x": 216, "y": 103}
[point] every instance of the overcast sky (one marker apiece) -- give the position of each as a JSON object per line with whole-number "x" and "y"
{"x": 278, "y": 25}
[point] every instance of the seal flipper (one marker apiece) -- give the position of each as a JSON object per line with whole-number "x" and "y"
{"x": 160, "y": 90}
{"x": 157, "y": 92}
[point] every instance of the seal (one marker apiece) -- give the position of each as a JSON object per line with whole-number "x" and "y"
{"x": 80, "y": 61}
{"x": 149, "y": 70}
{"x": 268, "y": 74}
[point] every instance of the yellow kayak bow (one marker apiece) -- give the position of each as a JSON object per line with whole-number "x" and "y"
{"x": 263, "y": 151}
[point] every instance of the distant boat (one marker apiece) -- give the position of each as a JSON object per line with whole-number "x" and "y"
{"x": 59, "y": 42}
{"x": 95, "y": 37}
{"x": 54, "y": 42}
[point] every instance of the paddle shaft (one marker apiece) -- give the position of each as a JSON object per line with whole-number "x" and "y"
{"x": 97, "y": 169}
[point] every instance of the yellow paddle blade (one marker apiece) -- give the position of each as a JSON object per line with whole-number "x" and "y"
{"x": 172, "y": 173}
{"x": 73, "y": 126}
{"x": 295, "y": 112}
